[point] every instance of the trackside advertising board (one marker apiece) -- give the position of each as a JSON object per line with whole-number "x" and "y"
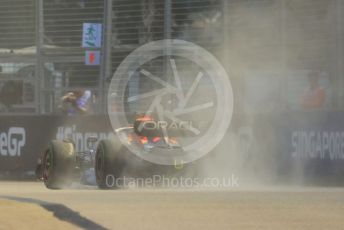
{"x": 309, "y": 145}
{"x": 24, "y": 138}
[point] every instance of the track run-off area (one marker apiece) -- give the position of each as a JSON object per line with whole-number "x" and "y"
{"x": 89, "y": 208}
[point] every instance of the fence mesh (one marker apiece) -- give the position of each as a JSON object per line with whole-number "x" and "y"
{"x": 267, "y": 46}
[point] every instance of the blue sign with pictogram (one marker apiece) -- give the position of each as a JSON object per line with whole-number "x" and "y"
{"x": 92, "y": 35}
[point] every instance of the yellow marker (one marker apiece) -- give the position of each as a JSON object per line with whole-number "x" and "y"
{"x": 178, "y": 165}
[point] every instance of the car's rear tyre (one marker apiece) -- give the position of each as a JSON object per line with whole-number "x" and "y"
{"x": 109, "y": 164}
{"x": 58, "y": 164}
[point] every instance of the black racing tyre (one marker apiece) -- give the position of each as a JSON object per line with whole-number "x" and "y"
{"x": 58, "y": 164}
{"x": 109, "y": 164}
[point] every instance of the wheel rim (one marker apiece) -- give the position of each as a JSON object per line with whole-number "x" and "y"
{"x": 47, "y": 164}
{"x": 99, "y": 163}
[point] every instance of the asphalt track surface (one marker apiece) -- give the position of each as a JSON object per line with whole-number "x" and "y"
{"x": 273, "y": 208}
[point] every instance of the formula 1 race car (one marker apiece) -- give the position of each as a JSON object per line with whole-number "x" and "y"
{"x": 61, "y": 164}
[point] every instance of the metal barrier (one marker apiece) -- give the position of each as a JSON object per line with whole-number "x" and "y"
{"x": 52, "y": 43}
{"x": 257, "y": 41}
